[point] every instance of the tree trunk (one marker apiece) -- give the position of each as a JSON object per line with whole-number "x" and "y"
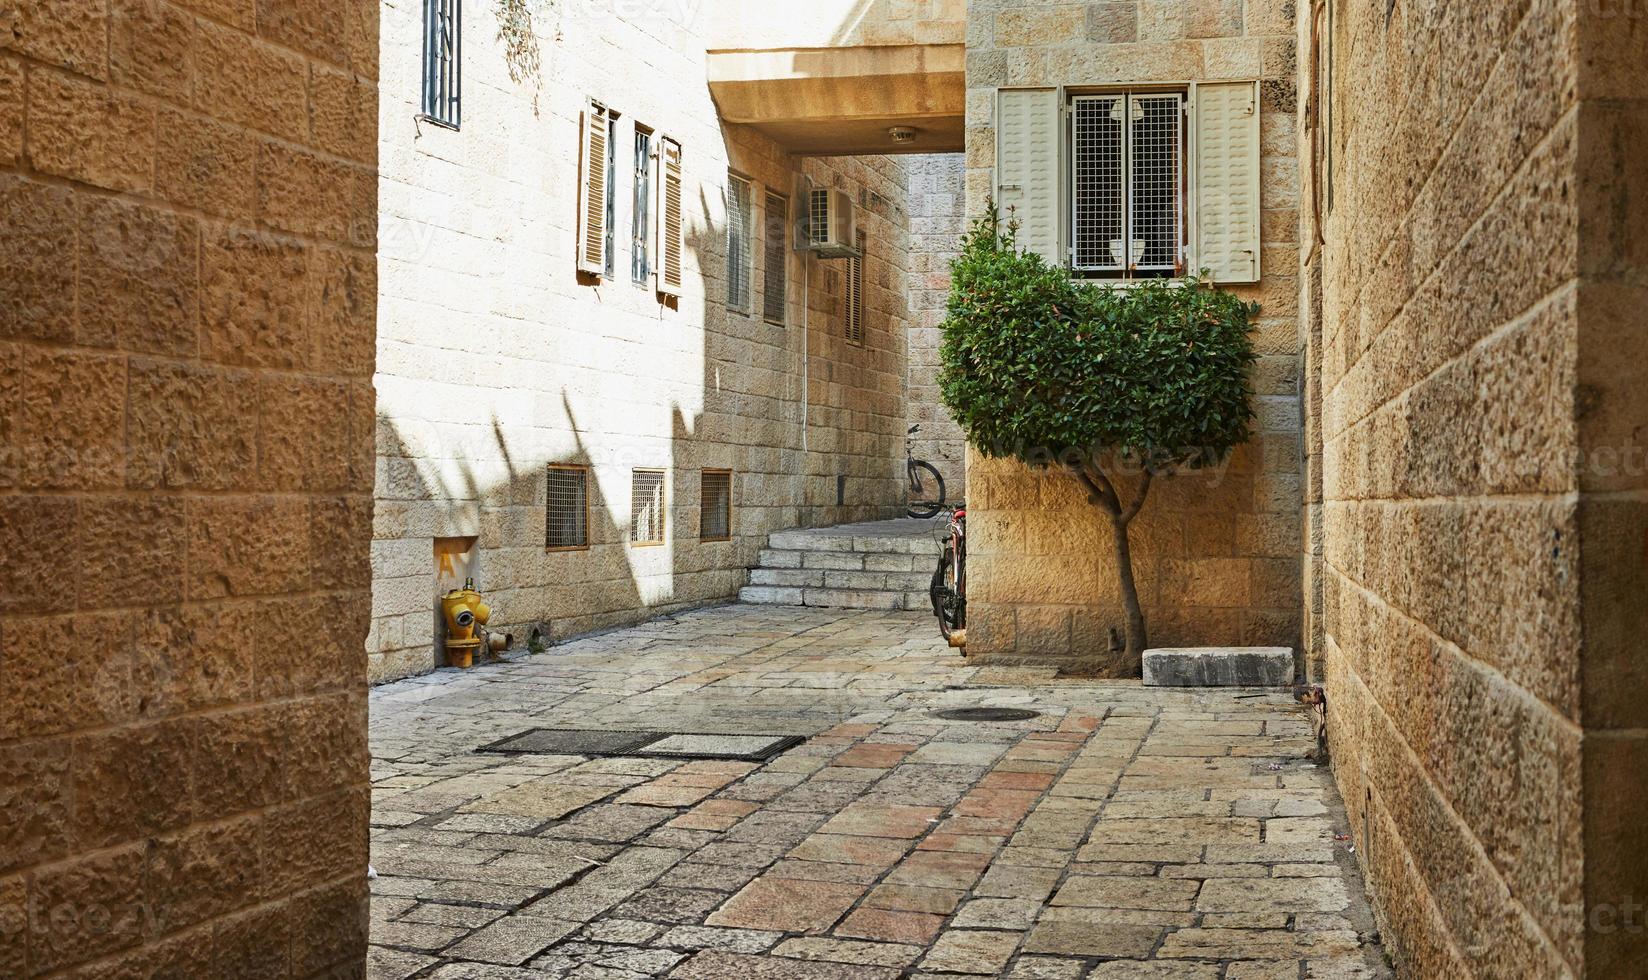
{"x": 1102, "y": 493}
{"x": 1136, "y": 638}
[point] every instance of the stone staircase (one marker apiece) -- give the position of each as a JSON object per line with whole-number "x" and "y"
{"x": 877, "y": 565}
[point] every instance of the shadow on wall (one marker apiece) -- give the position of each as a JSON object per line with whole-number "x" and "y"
{"x": 493, "y": 487}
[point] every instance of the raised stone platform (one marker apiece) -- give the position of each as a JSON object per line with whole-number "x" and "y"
{"x": 1218, "y": 667}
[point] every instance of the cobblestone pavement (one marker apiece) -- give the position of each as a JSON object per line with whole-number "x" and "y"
{"x": 1123, "y": 833}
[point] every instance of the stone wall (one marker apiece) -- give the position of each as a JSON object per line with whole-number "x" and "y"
{"x": 496, "y": 358}
{"x": 186, "y": 310}
{"x": 936, "y": 201}
{"x": 1216, "y": 554}
{"x": 1479, "y": 359}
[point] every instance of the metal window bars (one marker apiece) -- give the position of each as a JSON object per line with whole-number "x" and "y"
{"x": 715, "y": 506}
{"x": 855, "y": 293}
{"x": 1127, "y": 153}
{"x": 774, "y": 296}
{"x": 640, "y": 263}
{"x": 739, "y": 232}
{"x": 442, "y": 66}
{"x": 566, "y": 514}
{"x": 646, "y": 502}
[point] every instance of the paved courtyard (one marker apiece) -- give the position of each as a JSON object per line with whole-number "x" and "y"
{"x": 1124, "y": 832}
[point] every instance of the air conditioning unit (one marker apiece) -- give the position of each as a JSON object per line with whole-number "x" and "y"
{"x": 829, "y": 224}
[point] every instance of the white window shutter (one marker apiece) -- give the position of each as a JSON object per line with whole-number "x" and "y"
{"x": 1227, "y": 180}
{"x": 592, "y": 191}
{"x": 669, "y": 275}
{"x": 1027, "y": 166}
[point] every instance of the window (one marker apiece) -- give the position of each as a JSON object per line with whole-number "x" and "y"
{"x": 1128, "y": 167}
{"x": 1134, "y": 182}
{"x": 566, "y": 517}
{"x": 740, "y": 231}
{"x": 646, "y": 507}
{"x": 595, "y": 192}
{"x": 640, "y": 243}
{"x": 774, "y": 297}
{"x": 442, "y": 21}
{"x": 715, "y": 506}
{"x": 855, "y": 294}
{"x": 670, "y": 236}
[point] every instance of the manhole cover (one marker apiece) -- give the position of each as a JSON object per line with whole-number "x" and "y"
{"x": 670, "y": 745}
{"x": 986, "y": 714}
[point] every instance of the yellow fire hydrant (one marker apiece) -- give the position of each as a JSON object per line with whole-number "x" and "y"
{"x": 467, "y": 613}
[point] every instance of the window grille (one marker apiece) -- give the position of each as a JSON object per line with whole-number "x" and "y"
{"x": 818, "y": 216}
{"x": 646, "y": 503}
{"x": 640, "y": 265}
{"x": 1100, "y": 146}
{"x": 1128, "y": 152}
{"x": 774, "y": 298}
{"x": 855, "y": 294}
{"x": 442, "y": 66}
{"x": 611, "y": 223}
{"x": 715, "y": 506}
{"x": 740, "y": 231}
{"x": 566, "y": 517}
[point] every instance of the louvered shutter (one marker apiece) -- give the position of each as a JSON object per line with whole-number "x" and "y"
{"x": 1227, "y": 180}
{"x": 1027, "y": 166}
{"x": 670, "y": 239}
{"x": 592, "y": 191}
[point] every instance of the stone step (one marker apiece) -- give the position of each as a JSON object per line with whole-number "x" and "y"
{"x": 884, "y": 565}
{"x": 834, "y": 598}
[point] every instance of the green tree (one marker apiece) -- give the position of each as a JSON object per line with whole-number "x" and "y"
{"x": 1096, "y": 380}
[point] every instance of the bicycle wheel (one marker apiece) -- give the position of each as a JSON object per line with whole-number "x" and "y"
{"x": 948, "y": 605}
{"x": 926, "y": 491}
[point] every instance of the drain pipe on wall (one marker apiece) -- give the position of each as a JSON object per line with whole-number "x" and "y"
{"x": 806, "y": 305}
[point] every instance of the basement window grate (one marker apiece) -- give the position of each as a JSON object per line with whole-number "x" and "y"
{"x": 715, "y": 506}
{"x": 566, "y": 514}
{"x": 646, "y": 500}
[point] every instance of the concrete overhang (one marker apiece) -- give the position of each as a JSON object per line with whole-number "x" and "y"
{"x": 842, "y": 101}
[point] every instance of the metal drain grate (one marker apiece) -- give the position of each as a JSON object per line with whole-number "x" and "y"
{"x": 663, "y": 745}
{"x": 986, "y": 714}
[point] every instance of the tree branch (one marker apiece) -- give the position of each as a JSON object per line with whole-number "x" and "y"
{"x": 1139, "y": 494}
{"x": 1099, "y": 491}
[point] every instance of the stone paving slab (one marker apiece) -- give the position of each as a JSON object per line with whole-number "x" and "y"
{"x": 1124, "y": 832}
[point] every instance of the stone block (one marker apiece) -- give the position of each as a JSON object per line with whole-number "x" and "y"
{"x": 151, "y": 48}
{"x": 241, "y": 80}
{"x": 1219, "y": 667}
{"x": 11, "y": 111}
{"x": 138, "y": 278}
{"x": 37, "y": 249}
{"x": 72, "y": 34}
{"x": 205, "y": 164}
{"x": 86, "y": 908}
{"x": 254, "y": 289}
{"x": 86, "y": 132}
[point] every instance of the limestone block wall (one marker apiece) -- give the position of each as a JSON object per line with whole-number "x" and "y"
{"x": 1480, "y": 363}
{"x": 1217, "y": 554}
{"x": 187, "y": 295}
{"x": 937, "y": 195}
{"x": 496, "y": 358}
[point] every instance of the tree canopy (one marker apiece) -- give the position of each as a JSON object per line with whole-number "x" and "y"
{"x": 1050, "y": 369}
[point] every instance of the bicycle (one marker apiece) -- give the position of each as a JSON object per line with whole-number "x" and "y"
{"x": 949, "y": 586}
{"x": 921, "y": 504}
